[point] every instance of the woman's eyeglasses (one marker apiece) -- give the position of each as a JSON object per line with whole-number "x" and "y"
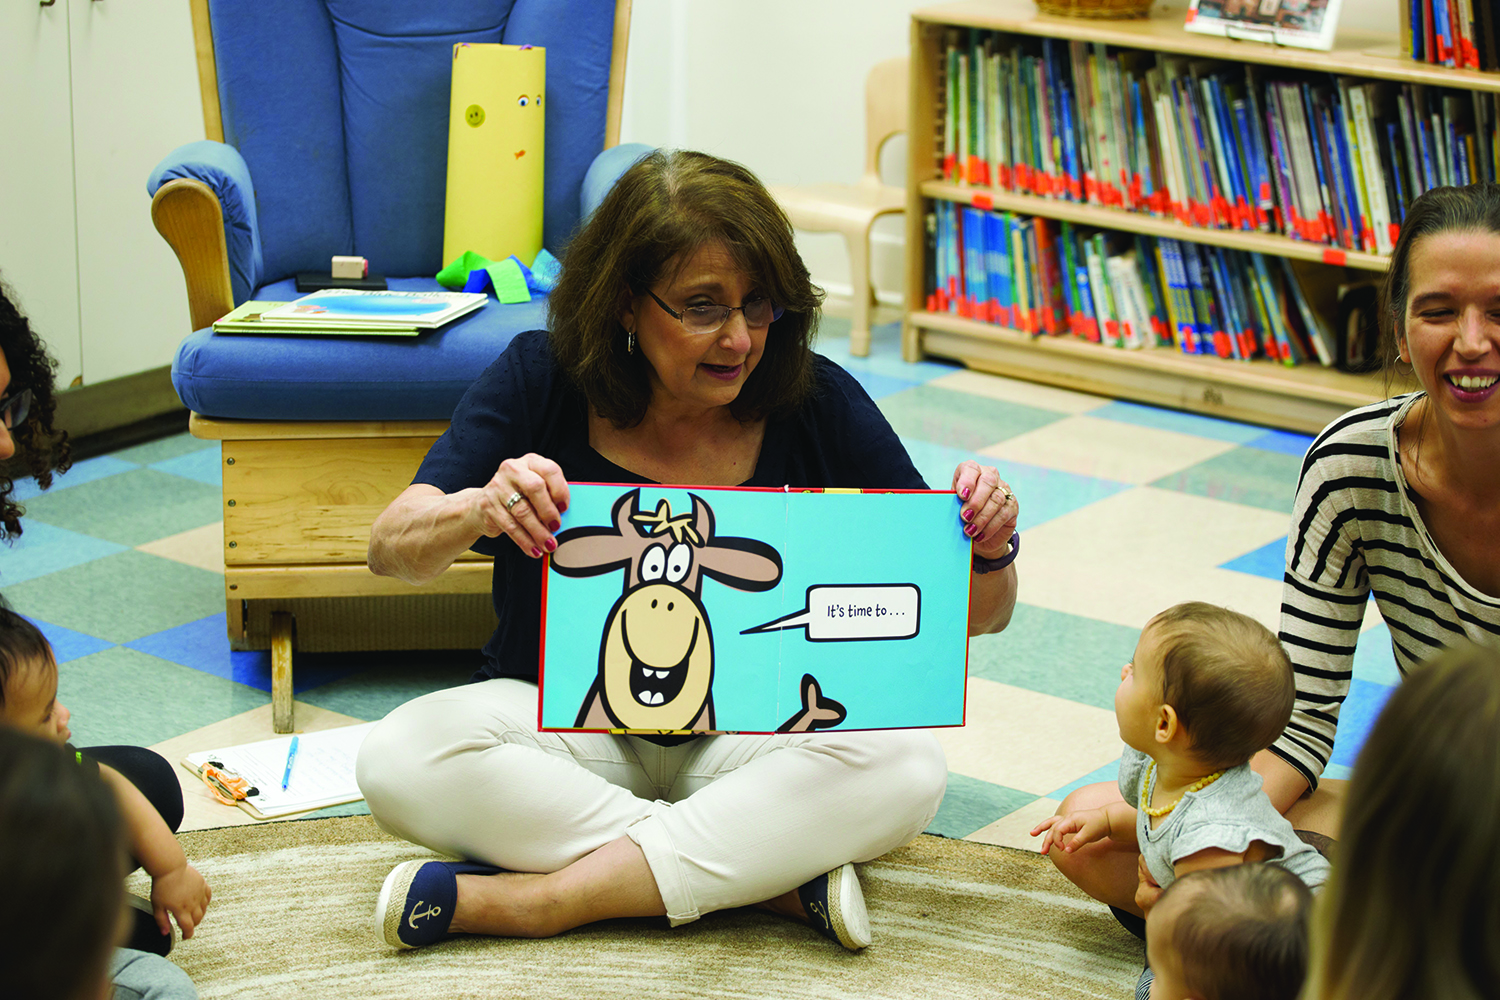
{"x": 710, "y": 317}
{"x": 13, "y": 408}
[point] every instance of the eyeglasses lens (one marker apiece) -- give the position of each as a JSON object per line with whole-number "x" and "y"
{"x": 13, "y": 409}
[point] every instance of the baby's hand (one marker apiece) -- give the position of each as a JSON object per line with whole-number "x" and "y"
{"x": 1086, "y": 825}
{"x": 184, "y": 894}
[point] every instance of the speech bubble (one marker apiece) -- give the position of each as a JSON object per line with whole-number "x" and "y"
{"x": 855, "y": 612}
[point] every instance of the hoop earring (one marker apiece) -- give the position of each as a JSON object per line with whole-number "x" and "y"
{"x": 629, "y": 341}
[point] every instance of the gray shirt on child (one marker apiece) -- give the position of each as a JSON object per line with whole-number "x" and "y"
{"x": 1230, "y": 814}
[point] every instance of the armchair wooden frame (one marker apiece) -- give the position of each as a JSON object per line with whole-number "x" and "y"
{"x": 300, "y": 496}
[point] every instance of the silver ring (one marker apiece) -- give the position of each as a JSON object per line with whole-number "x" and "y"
{"x": 514, "y": 499}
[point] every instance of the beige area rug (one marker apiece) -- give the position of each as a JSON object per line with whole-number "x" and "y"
{"x": 292, "y": 906}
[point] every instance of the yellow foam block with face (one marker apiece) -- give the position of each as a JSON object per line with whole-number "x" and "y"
{"x": 495, "y": 145}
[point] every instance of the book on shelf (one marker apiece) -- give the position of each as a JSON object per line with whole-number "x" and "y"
{"x": 1043, "y": 277}
{"x": 1315, "y": 157}
{"x": 1307, "y": 24}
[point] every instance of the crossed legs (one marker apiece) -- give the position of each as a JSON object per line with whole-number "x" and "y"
{"x": 609, "y": 826}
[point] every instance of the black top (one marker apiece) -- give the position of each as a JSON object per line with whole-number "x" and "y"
{"x": 523, "y": 403}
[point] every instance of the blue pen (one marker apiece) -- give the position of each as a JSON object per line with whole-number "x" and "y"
{"x": 291, "y": 755}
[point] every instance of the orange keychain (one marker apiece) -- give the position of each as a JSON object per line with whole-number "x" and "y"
{"x": 226, "y": 786}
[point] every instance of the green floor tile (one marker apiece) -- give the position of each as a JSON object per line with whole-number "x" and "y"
{"x": 132, "y": 508}
{"x": 371, "y": 693}
{"x": 960, "y": 419}
{"x": 971, "y": 804}
{"x": 1056, "y": 653}
{"x": 124, "y": 696}
{"x": 168, "y": 447}
{"x": 121, "y": 597}
{"x": 1250, "y": 476}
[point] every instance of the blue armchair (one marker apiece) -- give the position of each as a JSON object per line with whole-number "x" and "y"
{"x": 328, "y": 135}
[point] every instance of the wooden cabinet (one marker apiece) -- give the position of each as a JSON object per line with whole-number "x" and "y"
{"x": 1302, "y": 397}
{"x": 95, "y": 93}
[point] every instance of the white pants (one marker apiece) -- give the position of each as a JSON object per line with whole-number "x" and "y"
{"x": 722, "y": 820}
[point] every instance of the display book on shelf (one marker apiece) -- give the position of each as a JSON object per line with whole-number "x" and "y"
{"x": 1275, "y": 176}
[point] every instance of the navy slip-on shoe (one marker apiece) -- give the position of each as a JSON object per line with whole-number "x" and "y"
{"x": 836, "y": 907}
{"x": 418, "y": 898}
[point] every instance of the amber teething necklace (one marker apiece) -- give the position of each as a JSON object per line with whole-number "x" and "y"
{"x": 1156, "y": 812}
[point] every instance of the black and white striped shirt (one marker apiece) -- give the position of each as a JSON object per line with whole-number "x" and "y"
{"x": 1355, "y": 532}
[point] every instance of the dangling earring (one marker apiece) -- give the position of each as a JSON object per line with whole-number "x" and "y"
{"x": 629, "y": 341}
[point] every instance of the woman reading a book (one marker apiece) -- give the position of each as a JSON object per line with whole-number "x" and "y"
{"x": 679, "y": 352}
{"x": 1399, "y": 500}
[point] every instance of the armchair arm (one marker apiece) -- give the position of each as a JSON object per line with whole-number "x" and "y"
{"x": 605, "y": 171}
{"x": 203, "y": 204}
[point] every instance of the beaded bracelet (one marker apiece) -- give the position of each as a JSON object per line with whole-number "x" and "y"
{"x": 983, "y": 566}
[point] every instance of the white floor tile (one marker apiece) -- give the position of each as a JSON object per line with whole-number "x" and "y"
{"x": 1044, "y": 397}
{"x": 1108, "y": 449}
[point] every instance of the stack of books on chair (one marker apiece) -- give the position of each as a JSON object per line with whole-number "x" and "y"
{"x": 344, "y": 312}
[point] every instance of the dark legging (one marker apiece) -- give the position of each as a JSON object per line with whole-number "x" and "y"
{"x": 148, "y": 771}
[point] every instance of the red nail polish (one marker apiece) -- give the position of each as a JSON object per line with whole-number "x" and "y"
{"x": 965, "y": 493}
{"x": 551, "y": 544}
{"x": 969, "y": 531}
{"x": 554, "y": 526}
{"x": 536, "y": 553}
{"x": 968, "y": 515}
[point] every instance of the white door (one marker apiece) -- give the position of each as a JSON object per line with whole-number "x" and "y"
{"x": 38, "y": 235}
{"x": 135, "y": 98}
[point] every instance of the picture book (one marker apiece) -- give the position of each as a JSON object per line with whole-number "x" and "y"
{"x": 248, "y": 318}
{"x": 343, "y": 307}
{"x": 694, "y": 609}
{"x": 1306, "y": 24}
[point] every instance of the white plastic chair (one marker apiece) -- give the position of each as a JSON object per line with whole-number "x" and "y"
{"x": 851, "y": 209}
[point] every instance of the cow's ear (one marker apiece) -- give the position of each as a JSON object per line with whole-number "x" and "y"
{"x": 703, "y": 519}
{"x": 741, "y": 563}
{"x": 628, "y": 504}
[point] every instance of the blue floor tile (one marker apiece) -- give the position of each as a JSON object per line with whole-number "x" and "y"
{"x": 971, "y": 804}
{"x": 1268, "y": 561}
{"x": 881, "y": 385}
{"x": 1109, "y": 772}
{"x": 204, "y": 645}
{"x": 204, "y": 465}
{"x": 82, "y": 472}
{"x": 1176, "y": 420}
{"x": 44, "y": 548}
{"x": 1044, "y": 493}
{"x": 70, "y": 645}
{"x": 1286, "y": 442}
{"x": 1360, "y": 710}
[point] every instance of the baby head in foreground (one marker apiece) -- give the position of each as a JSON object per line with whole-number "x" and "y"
{"x": 1236, "y": 933}
{"x": 1206, "y": 683}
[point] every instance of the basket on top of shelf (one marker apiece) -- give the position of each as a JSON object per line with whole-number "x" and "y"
{"x": 1102, "y": 9}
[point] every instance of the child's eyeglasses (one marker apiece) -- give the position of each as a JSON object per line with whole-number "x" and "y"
{"x": 710, "y": 317}
{"x": 13, "y": 408}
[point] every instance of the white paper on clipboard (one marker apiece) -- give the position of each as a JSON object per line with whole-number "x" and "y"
{"x": 322, "y": 776}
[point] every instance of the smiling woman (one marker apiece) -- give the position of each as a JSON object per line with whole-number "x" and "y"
{"x": 26, "y": 409}
{"x": 679, "y": 352}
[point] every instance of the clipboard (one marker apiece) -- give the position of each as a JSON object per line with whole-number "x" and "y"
{"x": 323, "y": 775}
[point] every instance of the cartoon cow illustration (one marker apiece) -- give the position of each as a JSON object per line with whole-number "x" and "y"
{"x": 656, "y": 658}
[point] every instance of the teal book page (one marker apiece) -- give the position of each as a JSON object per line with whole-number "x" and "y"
{"x": 697, "y": 609}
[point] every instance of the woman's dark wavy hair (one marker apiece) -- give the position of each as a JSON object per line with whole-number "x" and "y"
{"x": 39, "y": 449}
{"x": 659, "y": 213}
{"x": 1474, "y": 208}
{"x": 62, "y": 862}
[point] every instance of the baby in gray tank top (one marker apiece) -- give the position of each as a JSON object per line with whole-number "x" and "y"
{"x": 1208, "y": 689}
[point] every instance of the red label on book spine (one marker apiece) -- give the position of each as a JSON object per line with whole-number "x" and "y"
{"x": 1090, "y": 189}
{"x": 1369, "y": 238}
{"x": 1221, "y": 344}
{"x": 1075, "y": 190}
{"x": 932, "y": 303}
{"x": 1332, "y": 256}
{"x": 972, "y": 171}
{"x": 1247, "y": 217}
{"x": 1004, "y": 176}
{"x": 982, "y": 200}
{"x": 1091, "y": 329}
{"x": 1112, "y": 329}
{"x": 1023, "y": 176}
{"x": 950, "y": 166}
{"x": 1201, "y": 215}
{"x": 1033, "y": 321}
{"x": 1265, "y": 191}
{"x": 1394, "y": 232}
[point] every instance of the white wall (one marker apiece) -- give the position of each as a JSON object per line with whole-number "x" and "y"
{"x": 779, "y": 86}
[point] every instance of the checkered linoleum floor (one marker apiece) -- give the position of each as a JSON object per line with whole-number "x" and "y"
{"x": 1126, "y": 509}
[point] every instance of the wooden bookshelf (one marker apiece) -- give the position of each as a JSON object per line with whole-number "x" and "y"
{"x": 1303, "y": 397}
